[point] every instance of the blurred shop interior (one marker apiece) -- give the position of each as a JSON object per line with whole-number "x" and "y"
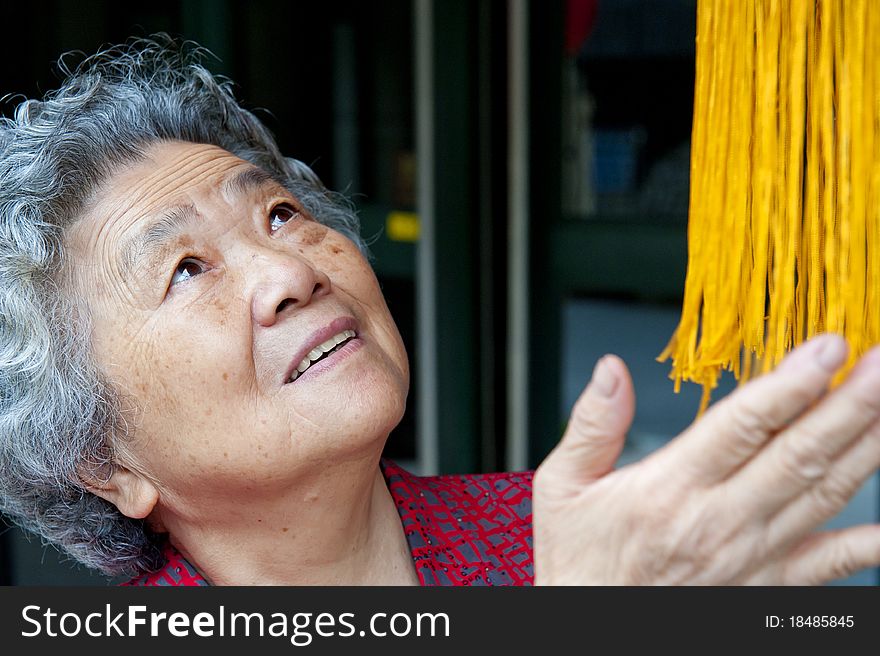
{"x": 521, "y": 173}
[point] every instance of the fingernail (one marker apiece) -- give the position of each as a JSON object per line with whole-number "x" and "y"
{"x": 604, "y": 379}
{"x": 832, "y": 353}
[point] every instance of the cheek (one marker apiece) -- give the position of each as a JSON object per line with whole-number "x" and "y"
{"x": 312, "y": 233}
{"x": 197, "y": 367}
{"x": 199, "y": 414}
{"x": 183, "y": 371}
{"x": 350, "y": 273}
{"x": 361, "y": 284}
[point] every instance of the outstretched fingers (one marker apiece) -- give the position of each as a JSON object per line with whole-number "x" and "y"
{"x": 833, "y": 555}
{"x": 737, "y": 428}
{"x": 825, "y": 499}
{"x": 811, "y": 454}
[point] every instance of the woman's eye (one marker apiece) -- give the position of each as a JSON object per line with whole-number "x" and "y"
{"x": 280, "y": 215}
{"x": 188, "y": 268}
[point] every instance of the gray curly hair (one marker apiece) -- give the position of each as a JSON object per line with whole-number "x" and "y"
{"x": 59, "y": 416}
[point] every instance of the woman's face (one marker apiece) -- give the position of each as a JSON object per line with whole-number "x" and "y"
{"x": 209, "y": 289}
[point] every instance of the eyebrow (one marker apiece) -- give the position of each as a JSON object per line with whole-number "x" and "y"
{"x": 155, "y": 239}
{"x": 249, "y": 179}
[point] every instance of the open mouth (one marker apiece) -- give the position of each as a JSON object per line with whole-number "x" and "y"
{"x": 321, "y": 352}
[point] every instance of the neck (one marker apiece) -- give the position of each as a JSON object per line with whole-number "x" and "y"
{"x": 339, "y": 527}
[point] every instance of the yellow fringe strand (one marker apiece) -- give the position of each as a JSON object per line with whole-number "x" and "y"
{"x": 784, "y": 217}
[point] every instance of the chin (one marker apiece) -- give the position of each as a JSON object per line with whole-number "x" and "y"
{"x": 377, "y": 410}
{"x": 360, "y": 411}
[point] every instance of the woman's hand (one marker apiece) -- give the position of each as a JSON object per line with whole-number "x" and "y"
{"x": 733, "y": 500}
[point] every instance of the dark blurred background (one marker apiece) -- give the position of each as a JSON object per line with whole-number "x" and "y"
{"x": 521, "y": 172}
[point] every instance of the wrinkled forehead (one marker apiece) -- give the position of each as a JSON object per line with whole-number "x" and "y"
{"x": 168, "y": 172}
{"x": 170, "y": 175}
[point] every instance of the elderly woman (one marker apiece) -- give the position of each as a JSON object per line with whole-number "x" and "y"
{"x": 199, "y": 374}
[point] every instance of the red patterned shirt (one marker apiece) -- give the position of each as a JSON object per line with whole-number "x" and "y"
{"x": 461, "y": 529}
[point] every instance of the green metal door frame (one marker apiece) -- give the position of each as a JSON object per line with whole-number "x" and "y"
{"x": 446, "y": 269}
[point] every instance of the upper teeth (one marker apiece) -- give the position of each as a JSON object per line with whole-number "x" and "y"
{"x": 320, "y": 350}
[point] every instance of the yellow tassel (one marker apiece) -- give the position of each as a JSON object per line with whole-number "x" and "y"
{"x": 784, "y": 216}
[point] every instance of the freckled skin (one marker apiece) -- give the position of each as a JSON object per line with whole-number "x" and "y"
{"x": 204, "y": 359}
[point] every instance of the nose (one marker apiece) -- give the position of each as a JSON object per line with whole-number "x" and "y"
{"x": 285, "y": 281}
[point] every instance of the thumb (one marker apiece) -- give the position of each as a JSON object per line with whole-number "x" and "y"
{"x": 596, "y": 429}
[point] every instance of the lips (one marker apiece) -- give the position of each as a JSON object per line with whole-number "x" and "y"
{"x": 322, "y": 351}
{"x": 321, "y": 345}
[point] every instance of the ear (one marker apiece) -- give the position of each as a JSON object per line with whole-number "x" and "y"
{"x": 133, "y": 494}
